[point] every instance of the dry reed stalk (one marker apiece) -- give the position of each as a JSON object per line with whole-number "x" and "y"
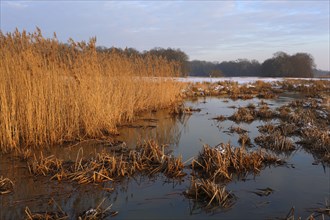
{"x": 44, "y": 165}
{"x": 6, "y": 185}
{"x": 210, "y": 194}
{"x": 51, "y": 93}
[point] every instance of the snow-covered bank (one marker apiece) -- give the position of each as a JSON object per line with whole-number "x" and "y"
{"x": 240, "y": 80}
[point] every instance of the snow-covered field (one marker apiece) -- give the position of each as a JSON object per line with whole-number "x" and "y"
{"x": 240, "y": 80}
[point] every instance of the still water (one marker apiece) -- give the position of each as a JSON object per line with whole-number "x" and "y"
{"x": 300, "y": 183}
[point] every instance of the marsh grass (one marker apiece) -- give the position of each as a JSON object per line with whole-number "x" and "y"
{"x": 51, "y": 93}
{"x": 149, "y": 158}
{"x": 275, "y": 141}
{"x": 243, "y": 114}
{"x": 220, "y": 163}
{"x": 210, "y": 194}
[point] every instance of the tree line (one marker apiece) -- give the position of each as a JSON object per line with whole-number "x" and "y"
{"x": 280, "y": 65}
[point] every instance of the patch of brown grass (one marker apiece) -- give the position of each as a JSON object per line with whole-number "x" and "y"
{"x": 224, "y": 161}
{"x": 210, "y": 194}
{"x": 243, "y": 114}
{"x": 149, "y": 158}
{"x": 275, "y": 141}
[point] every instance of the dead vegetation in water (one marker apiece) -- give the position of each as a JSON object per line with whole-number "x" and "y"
{"x": 309, "y": 120}
{"x": 321, "y": 211}
{"x": 98, "y": 213}
{"x": 220, "y": 118}
{"x": 45, "y": 215}
{"x": 237, "y": 129}
{"x": 182, "y": 110}
{"x": 223, "y": 161}
{"x": 6, "y": 185}
{"x": 291, "y": 216}
{"x": 210, "y": 194}
{"x": 243, "y": 114}
{"x": 59, "y": 214}
{"x": 244, "y": 139}
{"x": 309, "y": 87}
{"x": 251, "y": 113}
{"x": 285, "y": 129}
{"x": 276, "y": 142}
{"x": 149, "y": 158}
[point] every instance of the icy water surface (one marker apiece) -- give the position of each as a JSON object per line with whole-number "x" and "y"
{"x": 300, "y": 183}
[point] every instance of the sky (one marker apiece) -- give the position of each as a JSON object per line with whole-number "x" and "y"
{"x": 205, "y": 30}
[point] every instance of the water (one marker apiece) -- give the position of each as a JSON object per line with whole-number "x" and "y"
{"x": 299, "y": 183}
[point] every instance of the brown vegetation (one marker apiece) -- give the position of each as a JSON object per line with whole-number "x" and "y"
{"x": 210, "y": 194}
{"x": 224, "y": 161}
{"x": 51, "y": 92}
{"x": 275, "y": 141}
{"x": 149, "y": 158}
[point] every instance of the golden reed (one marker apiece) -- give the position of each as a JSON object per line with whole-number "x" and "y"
{"x": 51, "y": 92}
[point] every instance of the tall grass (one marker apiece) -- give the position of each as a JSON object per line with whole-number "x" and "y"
{"x": 51, "y": 92}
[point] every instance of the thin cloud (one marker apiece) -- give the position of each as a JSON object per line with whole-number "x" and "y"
{"x": 203, "y": 29}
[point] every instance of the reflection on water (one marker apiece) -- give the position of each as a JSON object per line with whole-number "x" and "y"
{"x": 300, "y": 183}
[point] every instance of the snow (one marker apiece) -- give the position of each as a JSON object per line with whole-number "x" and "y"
{"x": 239, "y": 80}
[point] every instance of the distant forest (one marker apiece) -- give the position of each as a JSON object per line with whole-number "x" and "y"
{"x": 280, "y": 65}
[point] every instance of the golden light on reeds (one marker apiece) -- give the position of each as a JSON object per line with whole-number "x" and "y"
{"x": 149, "y": 158}
{"x": 51, "y": 92}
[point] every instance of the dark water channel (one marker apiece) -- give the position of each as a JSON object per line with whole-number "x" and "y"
{"x": 300, "y": 183}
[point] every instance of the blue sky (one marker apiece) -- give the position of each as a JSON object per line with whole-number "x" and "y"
{"x": 205, "y": 30}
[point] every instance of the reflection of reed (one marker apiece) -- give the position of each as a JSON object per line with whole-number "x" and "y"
{"x": 160, "y": 126}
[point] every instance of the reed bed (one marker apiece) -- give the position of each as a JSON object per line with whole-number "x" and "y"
{"x": 210, "y": 194}
{"x": 148, "y": 158}
{"x": 51, "y": 92}
{"x": 243, "y": 114}
{"x": 223, "y": 161}
{"x": 6, "y": 185}
{"x": 284, "y": 128}
{"x": 275, "y": 141}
